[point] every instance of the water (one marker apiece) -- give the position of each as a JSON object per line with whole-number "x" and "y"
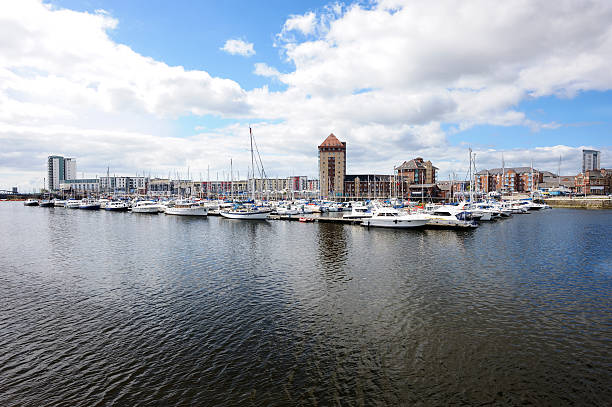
{"x": 102, "y": 308}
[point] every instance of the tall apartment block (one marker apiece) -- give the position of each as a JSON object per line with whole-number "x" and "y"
{"x": 590, "y": 160}
{"x": 332, "y": 166}
{"x": 58, "y": 170}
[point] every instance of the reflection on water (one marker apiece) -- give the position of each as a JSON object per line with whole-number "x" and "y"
{"x": 119, "y": 309}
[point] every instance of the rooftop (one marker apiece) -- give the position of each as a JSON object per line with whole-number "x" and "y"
{"x": 332, "y": 141}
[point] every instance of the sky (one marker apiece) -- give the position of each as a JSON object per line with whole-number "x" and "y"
{"x": 162, "y": 88}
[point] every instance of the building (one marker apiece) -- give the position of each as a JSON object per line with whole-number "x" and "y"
{"x": 594, "y": 182}
{"x": 58, "y": 170}
{"x": 313, "y": 185}
{"x": 518, "y": 179}
{"x": 123, "y": 185}
{"x": 416, "y": 171}
{"x": 332, "y": 167}
{"x": 591, "y": 160}
{"x": 81, "y": 186}
{"x": 367, "y": 186}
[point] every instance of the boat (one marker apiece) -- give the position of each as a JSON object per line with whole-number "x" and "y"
{"x": 389, "y": 217}
{"x": 72, "y": 204}
{"x": 116, "y": 206}
{"x": 304, "y": 219}
{"x": 246, "y": 213}
{"x": 145, "y": 207}
{"x": 89, "y": 204}
{"x": 252, "y": 212}
{"x": 30, "y": 202}
{"x": 46, "y": 203}
{"x": 450, "y": 217}
{"x": 358, "y": 212}
{"x": 59, "y": 202}
{"x": 187, "y": 208}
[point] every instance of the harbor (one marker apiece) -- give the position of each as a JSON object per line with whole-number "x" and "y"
{"x": 107, "y": 308}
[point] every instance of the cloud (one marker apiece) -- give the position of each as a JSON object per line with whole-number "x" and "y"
{"x": 263, "y": 69}
{"x": 392, "y": 78}
{"x": 238, "y": 47}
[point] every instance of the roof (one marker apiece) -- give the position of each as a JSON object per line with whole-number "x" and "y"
{"x": 365, "y": 177}
{"x": 496, "y": 171}
{"x": 415, "y": 186}
{"x": 332, "y": 141}
{"x": 414, "y": 164}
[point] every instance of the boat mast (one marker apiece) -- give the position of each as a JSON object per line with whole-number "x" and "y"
{"x": 252, "y": 164}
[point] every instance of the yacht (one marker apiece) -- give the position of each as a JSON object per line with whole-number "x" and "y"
{"x": 46, "y": 203}
{"x": 30, "y": 202}
{"x": 59, "y": 202}
{"x": 188, "y": 208}
{"x": 72, "y": 204}
{"x": 116, "y": 206}
{"x": 388, "y": 217}
{"x": 253, "y": 213}
{"x": 358, "y": 212}
{"x": 450, "y": 217}
{"x": 89, "y": 204}
{"x": 146, "y": 207}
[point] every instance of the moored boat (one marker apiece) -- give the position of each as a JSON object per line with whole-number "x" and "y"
{"x": 30, "y": 202}
{"x": 89, "y": 204}
{"x": 388, "y": 217}
{"x": 187, "y": 208}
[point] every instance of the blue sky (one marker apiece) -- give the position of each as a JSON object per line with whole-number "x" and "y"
{"x": 102, "y": 81}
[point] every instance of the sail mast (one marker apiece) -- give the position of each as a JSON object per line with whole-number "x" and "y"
{"x": 252, "y": 164}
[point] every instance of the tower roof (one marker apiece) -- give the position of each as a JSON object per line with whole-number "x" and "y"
{"x": 332, "y": 141}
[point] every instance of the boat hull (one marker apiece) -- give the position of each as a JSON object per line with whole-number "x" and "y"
{"x": 149, "y": 210}
{"x": 90, "y": 207}
{"x": 246, "y": 215}
{"x": 195, "y": 211}
{"x": 395, "y": 223}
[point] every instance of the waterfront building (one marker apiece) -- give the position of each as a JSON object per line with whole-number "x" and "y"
{"x": 517, "y": 179}
{"x": 594, "y": 182}
{"x": 367, "y": 186}
{"x": 124, "y": 185}
{"x": 416, "y": 171}
{"x": 313, "y": 185}
{"x": 591, "y": 160}
{"x": 80, "y": 186}
{"x": 58, "y": 170}
{"x": 332, "y": 167}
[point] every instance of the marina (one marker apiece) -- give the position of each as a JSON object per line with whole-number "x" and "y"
{"x": 121, "y": 308}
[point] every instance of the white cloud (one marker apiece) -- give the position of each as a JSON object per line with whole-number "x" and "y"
{"x": 390, "y": 79}
{"x": 238, "y": 47}
{"x": 263, "y": 69}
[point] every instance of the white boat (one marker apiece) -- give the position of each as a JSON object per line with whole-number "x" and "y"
{"x": 145, "y": 207}
{"x": 103, "y": 202}
{"x": 59, "y": 202}
{"x": 187, "y": 208}
{"x": 30, "y": 202}
{"x": 116, "y": 206}
{"x": 450, "y": 217}
{"x": 72, "y": 204}
{"x": 358, "y": 212}
{"x": 89, "y": 204}
{"x": 286, "y": 209}
{"x": 247, "y": 213}
{"x": 388, "y": 217}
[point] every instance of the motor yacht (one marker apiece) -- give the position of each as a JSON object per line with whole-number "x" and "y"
{"x": 30, "y": 202}
{"x": 116, "y": 206}
{"x": 388, "y": 217}
{"x": 448, "y": 216}
{"x": 150, "y": 207}
{"x": 358, "y": 212}
{"x": 252, "y": 213}
{"x": 59, "y": 202}
{"x": 89, "y": 204}
{"x": 187, "y": 208}
{"x": 72, "y": 204}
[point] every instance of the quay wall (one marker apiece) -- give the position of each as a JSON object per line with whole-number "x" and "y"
{"x": 580, "y": 203}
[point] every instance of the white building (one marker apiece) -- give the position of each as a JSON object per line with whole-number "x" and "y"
{"x": 58, "y": 170}
{"x": 83, "y": 185}
{"x": 129, "y": 185}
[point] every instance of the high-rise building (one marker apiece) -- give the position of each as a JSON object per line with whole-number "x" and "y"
{"x": 58, "y": 170}
{"x": 332, "y": 166}
{"x": 590, "y": 160}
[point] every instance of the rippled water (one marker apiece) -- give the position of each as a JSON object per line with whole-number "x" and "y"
{"x": 103, "y": 308}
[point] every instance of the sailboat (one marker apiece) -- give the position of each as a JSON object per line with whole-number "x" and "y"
{"x": 251, "y": 212}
